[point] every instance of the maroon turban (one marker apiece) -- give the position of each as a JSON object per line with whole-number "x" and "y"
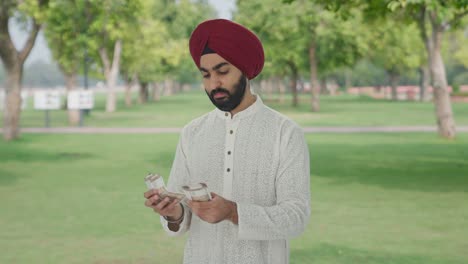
{"x": 235, "y": 43}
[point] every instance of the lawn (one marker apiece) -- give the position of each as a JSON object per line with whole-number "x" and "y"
{"x": 376, "y": 198}
{"x": 177, "y": 110}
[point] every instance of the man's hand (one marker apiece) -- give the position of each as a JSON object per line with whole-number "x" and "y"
{"x": 165, "y": 207}
{"x": 216, "y": 210}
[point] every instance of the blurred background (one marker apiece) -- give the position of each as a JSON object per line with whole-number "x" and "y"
{"x": 93, "y": 94}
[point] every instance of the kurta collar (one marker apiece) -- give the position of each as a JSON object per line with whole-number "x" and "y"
{"x": 242, "y": 114}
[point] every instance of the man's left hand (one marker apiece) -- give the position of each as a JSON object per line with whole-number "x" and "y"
{"x": 216, "y": 210}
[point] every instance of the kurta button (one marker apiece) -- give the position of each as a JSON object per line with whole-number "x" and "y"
{"x": 229, "y": 152}
{"x": 226, "y": 114}
{"x": 228, "y": 170}
{"x": 231, "y": 131}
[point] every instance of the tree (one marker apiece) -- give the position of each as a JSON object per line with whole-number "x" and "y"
{"x": 110, "y": 21}
{"x": 65, "y": 32}
{"x": 434, "y": 18}
{"x": 145, "y": 47}
{"x": 32, "y": 14}
{"x": 441, "y": 15}
{"x": 395, "y": 47}
{"x": 281, "y": 37}
{"x": 333, "y": 43}
{"x": 300, "y": 35}
{"x": 163, "y": 35}
{"x": 181, "y": 18}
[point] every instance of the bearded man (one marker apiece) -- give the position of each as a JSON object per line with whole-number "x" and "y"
{"x": 253, "y": 159}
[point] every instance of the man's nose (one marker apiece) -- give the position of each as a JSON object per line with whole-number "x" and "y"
{"x": 214, "y": 83}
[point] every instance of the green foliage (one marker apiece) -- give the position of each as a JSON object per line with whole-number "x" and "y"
{"x": 284, "y": 44}
{"x": 454, "y": 49}
{"x": 460, "y": 79}
{"x": 459, "y": 38}
{"x": 288, "y": 30}
{"x": 66, "y": 33}
{"x": 35, "y": 9}
{"x": 395, "y": 46}
{"x": 79, "y": 25}
{"x": 112, "y": 18}
{"x": 445, "y": 13}
{"x": 158, "y": 47}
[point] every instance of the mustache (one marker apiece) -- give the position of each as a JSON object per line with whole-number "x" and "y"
{"x": 219, "y": 89}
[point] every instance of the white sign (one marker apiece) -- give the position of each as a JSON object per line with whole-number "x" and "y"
{"x": 24, "y": 99}
{"x": 47, "y": 100}
{"x": 81, "y": 99}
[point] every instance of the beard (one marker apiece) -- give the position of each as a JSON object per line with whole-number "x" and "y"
{"x": 230, "y": 101}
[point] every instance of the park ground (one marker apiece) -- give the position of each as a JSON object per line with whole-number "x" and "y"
{"x": 376, "y": 197}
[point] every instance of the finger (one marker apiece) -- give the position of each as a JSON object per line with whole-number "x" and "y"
{"x": 215, "y": 196}
{"x": 164, "y": 202}
{"x": 150, "y": 193}
{"x": 171, "y": 207}
{"x": 189, "y": 203}
{"x": 203, "y": 205}
{"x": 173, "y": 204}
{"x": 148, "y": 203}
{"x": 155, "y": 199}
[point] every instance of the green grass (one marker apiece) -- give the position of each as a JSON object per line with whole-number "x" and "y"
{"x": 376, "y": 198}
{"x": 177, "y": 110}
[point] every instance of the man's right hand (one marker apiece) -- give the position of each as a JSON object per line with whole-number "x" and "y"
{"x": 165, "y": 207}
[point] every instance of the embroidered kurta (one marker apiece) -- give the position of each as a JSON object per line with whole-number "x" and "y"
{"x": 257, "y": 158}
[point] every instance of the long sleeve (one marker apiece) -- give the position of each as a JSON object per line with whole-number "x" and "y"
{"x": 290, "y": 215}
{"x": 179, "y": 171}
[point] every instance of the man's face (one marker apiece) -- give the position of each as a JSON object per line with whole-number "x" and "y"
{"x": 224, "y": 83}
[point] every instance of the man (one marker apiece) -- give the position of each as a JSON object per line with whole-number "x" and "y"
{"x": 253, "y": 159}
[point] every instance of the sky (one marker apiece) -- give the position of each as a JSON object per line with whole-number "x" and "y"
{"x": 41, "y": 52}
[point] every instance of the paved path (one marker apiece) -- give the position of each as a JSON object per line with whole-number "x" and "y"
{"x": 143, "y": 130}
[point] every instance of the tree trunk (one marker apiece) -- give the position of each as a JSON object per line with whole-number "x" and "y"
{"x": 129, "y": 82}
{"x": 263, "y": 86}
{"x": 144, "y": 93}
{"x": 443, "y": 105}
{"x": 111, "y": 72}
{"x": 13, "y": 61}
{"x": 128, "y": 93}
{"x": 269, "y": 87}
{"x": 424, "y": 81}
{"x": 323, "y": 86}
{"x": 293, "y": 83}
{"x": 177, "y": 87}
{"x": 282, "y": 90}
{"x": 12, "y": 105}
{"x": 73, "y": 114}
{"x": 156, "y": 92}
{"x": 348, "y": 79}
{"x": 168, "y": 87}
{"x": 394, "y": 77}
{"x": 314, "y": 83}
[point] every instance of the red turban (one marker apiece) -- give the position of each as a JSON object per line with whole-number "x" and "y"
{"x": 235, "y": 43}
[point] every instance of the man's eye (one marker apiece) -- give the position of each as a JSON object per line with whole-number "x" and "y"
{"x": 223, "y": 73}
{"x": 206, "y": 76}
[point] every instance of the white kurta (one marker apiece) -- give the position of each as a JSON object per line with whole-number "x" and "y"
{"x": 258, "y": 159}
